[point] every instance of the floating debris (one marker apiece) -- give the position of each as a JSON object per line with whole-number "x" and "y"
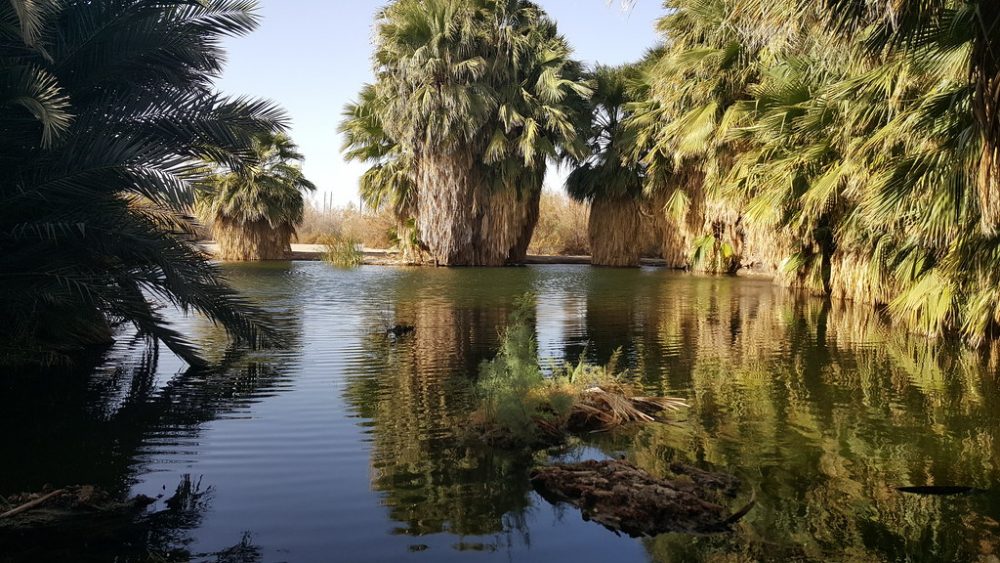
{"x": 51, "y": 507}
{"x": 399, "y": 331}
{"x": 626, "y": 499}
{"x": 940, "y": 491}
{"x": 599, "y": 409}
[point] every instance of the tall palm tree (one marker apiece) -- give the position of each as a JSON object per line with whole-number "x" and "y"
{"x": 609, "y": 178}
{"x": 253, "y": 213}
{"x": 108, "y": 114}
{"x": 478, "y": 96}
{"x": 704, "y": 67}
{"x": 864, "y": 161}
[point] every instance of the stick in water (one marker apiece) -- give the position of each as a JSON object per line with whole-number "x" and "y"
{"x": 33, "y": 504}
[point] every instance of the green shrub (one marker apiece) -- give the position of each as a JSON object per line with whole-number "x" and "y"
{"x": 516, "y": 394}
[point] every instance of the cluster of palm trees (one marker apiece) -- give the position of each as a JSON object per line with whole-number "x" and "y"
{"x": 109, "y": 116}
{"x": 472, "y": 99}
{"x": 851, "y": 147}
{"x": 845, "y": 146}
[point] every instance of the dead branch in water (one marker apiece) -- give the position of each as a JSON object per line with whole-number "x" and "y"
{"x": 65, "y": 505}
{"x": 32, "y": 504}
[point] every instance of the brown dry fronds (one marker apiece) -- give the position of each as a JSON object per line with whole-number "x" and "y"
{"x": 597, "y": 409}
{"x": 250, "y": 242}
{"x": 616, "y": 232}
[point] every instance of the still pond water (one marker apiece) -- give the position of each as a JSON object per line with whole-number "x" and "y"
{"x": 343, "y": 447}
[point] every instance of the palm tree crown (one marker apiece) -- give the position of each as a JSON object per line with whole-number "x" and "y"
{"x": 109, "y": 113}
{"x": 254, "y": 212}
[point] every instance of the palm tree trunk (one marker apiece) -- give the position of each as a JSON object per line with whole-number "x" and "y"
{"x": 251, "y": 242}
{"x": 986, "y": 105}
{"x": 499, "y": 219}
{"x": 615, "y": 230}
{"x": 446, "y": 218}
{"x": 506, "y": 222}
{"x": 529, "y": 220}
{"x": 675, "y": 238}
{"x": 465, "y": 222}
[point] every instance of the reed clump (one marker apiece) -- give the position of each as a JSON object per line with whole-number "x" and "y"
{"x": 342, "y": 252}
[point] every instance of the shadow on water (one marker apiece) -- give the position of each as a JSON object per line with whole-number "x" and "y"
{"x": 90, "y": 424}
{"x": 104, "y": 421}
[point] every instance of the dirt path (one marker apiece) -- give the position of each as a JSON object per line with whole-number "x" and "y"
{"x": 382, "y": 257}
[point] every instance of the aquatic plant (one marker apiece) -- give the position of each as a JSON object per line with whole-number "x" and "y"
{"x": 342, "y": 252}
{"x": 524, "y": 404}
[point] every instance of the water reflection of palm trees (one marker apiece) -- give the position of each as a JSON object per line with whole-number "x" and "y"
{"x": 418, "y": 396}
{"x": 816, "y": 404}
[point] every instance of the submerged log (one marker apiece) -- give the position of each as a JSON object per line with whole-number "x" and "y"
{"x": 626, "y": 499}
{"x": 52, "y": 508}
{"x": 944, "y": 491}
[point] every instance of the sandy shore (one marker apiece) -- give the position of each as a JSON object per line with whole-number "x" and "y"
{"x": 381, "y": 257}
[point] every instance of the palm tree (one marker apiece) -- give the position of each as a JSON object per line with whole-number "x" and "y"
{"x": 864, "y": 161}
{"x": 108, "y": 114}
{"x": 683, "y": 125}
{"x": 254, "y": 213}
{"x": 390, "y": 180}
{"x": 609, "y": 178}
{"x": 474, "y": 98}
{"x": 926, "y": 26}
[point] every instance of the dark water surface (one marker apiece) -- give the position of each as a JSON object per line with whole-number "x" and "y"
{"x": 343, "y": 448}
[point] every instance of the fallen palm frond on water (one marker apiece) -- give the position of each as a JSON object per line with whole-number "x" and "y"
{"x": 598, "y": 409}
{"x": 624, "y": 498}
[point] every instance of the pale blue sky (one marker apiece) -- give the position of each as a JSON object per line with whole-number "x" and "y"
{"x": 312, "y": 56}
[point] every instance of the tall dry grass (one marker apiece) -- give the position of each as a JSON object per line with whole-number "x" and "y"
{"x": 562, "y": 226}
{"x": 373, "y": 229}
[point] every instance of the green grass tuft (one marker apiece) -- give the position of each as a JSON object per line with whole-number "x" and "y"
{"x": 342, "y": 252}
